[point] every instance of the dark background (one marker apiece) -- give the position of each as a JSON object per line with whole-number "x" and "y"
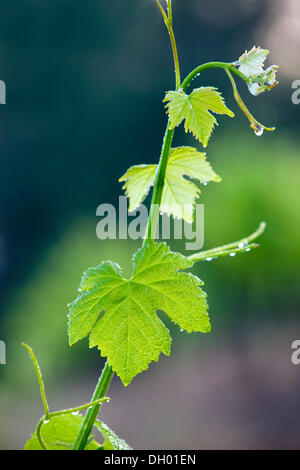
{"x": 85, "y": 83}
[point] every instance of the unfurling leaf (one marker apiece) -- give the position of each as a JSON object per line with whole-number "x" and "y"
{"x": 179, "y": 194}
{"x": 266, "y": 81}
{"x": 121, "y": 314}
{"x": 194, "y": 109}
{"x": 251, "y": 63}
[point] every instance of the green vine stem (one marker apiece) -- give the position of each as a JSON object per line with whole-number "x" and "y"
{"x": 39, "y": 433}
{"x": 212, "y": 65}
{"x": 169, "y": 24}
{"x": 91, "y": 414}
{"x": 107, "y": 373}
{"x": 231, "y": 249}
{"x": 159, "y": 184}
{"x": 40, "y": 379}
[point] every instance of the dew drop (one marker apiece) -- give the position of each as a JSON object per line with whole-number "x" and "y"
{"x": 209, "y": 259}
{"x": 241, "y": 245}
{"x": 248, "y": 249}
{"x": 259, "y": 131}
{"x": 75, "y": 413}
{"x": 45, "y": 421}
{"x": 232, "y": 255}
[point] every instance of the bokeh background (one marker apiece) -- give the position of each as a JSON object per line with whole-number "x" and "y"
{"x": 85, "y": 83}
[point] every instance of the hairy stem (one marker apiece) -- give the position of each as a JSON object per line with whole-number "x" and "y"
{"x": 168, "y": 20}
{"x": 40, "y": 378}
{"x": 159, "y": 185}
{"x": 241, "y": 246}
{"x": 79, "y": 408}
{"x": 211, "y": 65}
{"x": 91, "y": 414}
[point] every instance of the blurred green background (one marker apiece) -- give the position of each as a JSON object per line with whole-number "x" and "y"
{"x": 85, "y": 83}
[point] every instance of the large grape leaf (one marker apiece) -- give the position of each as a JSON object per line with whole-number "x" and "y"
{"x": 121, "y": 314}
{"x": 179, "y": 194}
{"x": 251, "y": 63}
{"x": 194, "y": 109}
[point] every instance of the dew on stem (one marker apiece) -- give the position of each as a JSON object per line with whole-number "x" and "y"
{"x": 258, "y": 129}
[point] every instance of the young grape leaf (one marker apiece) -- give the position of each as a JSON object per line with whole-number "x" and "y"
{"x": 266, "y": 81}
{"x": 121, "y": 314}
{"x": 111, "y": 440}
{"x": 179, "y": 194}
{"x": 60, "y": 434}
{"x": 251, "y": 63}
{"x": 194, "y": 108}
{"x": 139, "y": 179}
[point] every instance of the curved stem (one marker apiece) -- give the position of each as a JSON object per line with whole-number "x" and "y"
{"x": 241, "y": 246}
{"x": 40, "y": 378}
{"x": 43, "y": 420}
{"x": 162, "y": 11}
{"x": 80, "y": 408}
{"x": 39, "y": 433}
{"x": 91, "y": 414}
{"x": 211, "y": 65}
{"x": 257, "y": 126}
{"x": 219, "y": 252}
